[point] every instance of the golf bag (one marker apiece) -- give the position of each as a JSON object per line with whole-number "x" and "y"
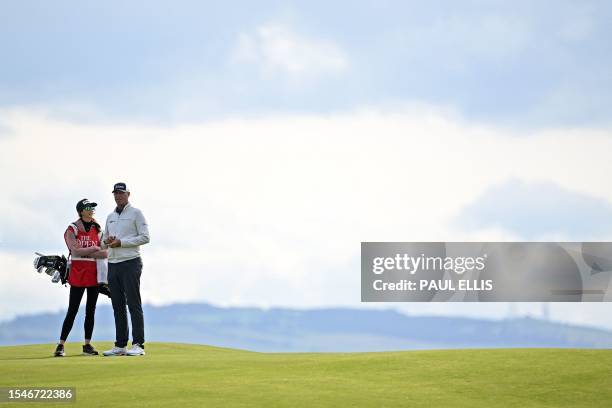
{"x": 53, "y": 265}
{"x": 58, "y": 268}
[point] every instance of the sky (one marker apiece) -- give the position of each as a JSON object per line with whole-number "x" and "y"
{"x": 265, "y": 142}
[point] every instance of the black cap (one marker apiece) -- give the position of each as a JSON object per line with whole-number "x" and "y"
{"x": 120, "y": 187}
{"x": 84, "y": 203}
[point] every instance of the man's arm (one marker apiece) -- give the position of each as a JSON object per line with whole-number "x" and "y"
{"x": 142, "y": 233}
{"x": 104, "y": 237}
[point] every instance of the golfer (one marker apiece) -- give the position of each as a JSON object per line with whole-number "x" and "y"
{"x": 83, "y": 241}
{"x": 126, "y": 230}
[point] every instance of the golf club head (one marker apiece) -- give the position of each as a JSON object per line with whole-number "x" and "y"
{"x": 55, "y": 266}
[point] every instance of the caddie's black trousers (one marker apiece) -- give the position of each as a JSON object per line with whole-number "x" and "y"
{"x": 76, "y": 294}
{"x": 124, "y": 284}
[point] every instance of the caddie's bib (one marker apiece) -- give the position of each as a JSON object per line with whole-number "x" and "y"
{"x": 83, "y": 270}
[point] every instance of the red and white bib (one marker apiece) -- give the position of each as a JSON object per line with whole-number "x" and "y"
{"x": 83, "y": 270}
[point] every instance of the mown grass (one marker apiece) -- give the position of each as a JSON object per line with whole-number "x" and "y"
{"x": 181, "y": 375}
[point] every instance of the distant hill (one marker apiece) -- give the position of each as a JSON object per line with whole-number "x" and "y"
{"x": 337, "y": 329}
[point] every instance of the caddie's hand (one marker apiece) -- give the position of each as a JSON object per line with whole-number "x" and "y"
{"x": 115, "y": 244}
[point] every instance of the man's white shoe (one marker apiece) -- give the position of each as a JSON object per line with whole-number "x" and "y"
{"x": 136, "y": 350}
{"x": 115, "y": 351}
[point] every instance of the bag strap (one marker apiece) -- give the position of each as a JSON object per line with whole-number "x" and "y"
{"x": 74, "y": 228}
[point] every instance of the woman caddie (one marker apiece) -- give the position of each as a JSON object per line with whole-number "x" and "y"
{"x": 83, "y": 241}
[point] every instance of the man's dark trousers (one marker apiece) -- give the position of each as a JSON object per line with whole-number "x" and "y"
{"x": 124, "y": 285}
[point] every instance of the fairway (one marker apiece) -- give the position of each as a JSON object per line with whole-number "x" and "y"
{"x": 182, "y": 375}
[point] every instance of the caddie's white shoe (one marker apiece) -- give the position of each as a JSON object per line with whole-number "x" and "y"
{"x": 136, "y": 350}
{"x": 115, "y": 351}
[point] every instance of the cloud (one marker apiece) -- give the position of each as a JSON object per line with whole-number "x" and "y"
{"x": 524, "y": 64}
{"x": 277, "y": 49}
{"x": 271, "y": 211}
{"x": 539, "y": 211}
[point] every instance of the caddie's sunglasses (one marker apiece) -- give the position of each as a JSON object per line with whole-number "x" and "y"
{"x": 90, "y": 208}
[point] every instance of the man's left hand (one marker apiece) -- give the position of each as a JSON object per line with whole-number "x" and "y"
{"x": 115, "y": 244}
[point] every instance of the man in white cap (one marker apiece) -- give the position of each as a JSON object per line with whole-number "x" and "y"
{"x": 126, "y": 229}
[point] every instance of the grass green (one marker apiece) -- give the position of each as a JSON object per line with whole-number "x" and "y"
{"x": 181, "y": 375}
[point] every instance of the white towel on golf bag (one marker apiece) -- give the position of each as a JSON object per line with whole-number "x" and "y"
{"x": 102, "y": 267}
